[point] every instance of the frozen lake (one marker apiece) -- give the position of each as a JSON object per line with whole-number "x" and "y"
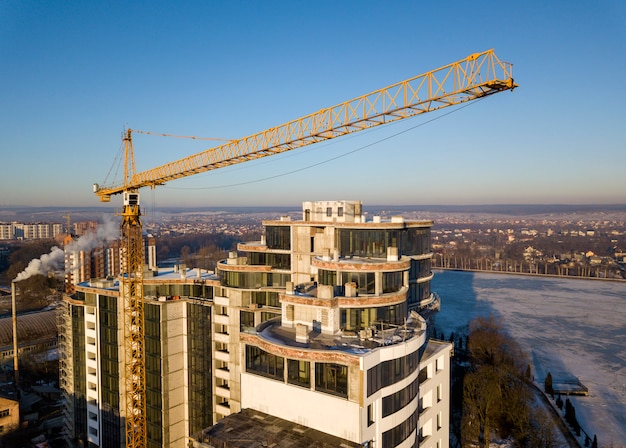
{"x": 568, "y": 327}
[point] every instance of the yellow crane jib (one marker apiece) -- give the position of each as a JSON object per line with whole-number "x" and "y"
{"x": 478, "y": 75}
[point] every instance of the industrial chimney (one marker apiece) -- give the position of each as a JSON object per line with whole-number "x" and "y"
{"x": 15, "y": 352}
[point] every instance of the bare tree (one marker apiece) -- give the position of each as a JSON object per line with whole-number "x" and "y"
{"x": 495, "y": 396}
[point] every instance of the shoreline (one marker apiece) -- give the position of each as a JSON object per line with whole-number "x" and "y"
{"x": 528, "y": 274}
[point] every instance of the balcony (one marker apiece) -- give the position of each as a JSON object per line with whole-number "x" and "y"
{"x": 222, "y": 373}
{"x": 222, "y": 408}
{"x": 222, "y": 355}
{"x": 222, "y": 337}
{"x": 221, "y": 319}
{"x": 222, "y": 391}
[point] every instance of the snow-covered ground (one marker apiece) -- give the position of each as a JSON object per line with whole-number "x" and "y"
{"x": 568, "y": 327}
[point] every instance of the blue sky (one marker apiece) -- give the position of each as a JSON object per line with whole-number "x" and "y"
{"x": 75, "y": 74}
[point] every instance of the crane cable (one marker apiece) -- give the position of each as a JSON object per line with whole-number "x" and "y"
{"x": 117, "y": 163}
{"x": 332, "y": 158}
{"x": 192, "y": 137}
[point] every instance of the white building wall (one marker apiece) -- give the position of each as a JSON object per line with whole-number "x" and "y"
{"x": 434, "y": 421}
{"x": 324, "y": 412}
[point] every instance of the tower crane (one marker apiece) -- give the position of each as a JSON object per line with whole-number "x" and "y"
{"x": 478, "y": 75}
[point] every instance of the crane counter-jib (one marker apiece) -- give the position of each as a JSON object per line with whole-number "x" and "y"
{"x": 476, "y": 76}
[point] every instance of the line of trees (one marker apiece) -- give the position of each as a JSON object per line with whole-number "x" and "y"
{"x": 497, "y": 397}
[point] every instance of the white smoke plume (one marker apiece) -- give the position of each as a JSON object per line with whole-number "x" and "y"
{"x": 52, "y": 261}
{"x": 108, "y": 230}
{"x": 55, "y": 260}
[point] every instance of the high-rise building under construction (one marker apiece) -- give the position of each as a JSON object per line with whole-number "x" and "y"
{"x": 319, "y": 323}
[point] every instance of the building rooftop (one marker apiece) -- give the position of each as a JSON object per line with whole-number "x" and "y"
{"x": 172, "y": 274}
{"x": 252, "y": 429}
{"x": 30, "y": 327}
{"x": 346, "y": 341}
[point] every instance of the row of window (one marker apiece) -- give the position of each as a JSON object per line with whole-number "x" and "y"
{"x": 374, "y": 242}
{"x": 390, "y": 372}
{"x": 265, "y": 298}
{"x": 152, "y": 346}
{"x": 278, "y": 237}
{"x": 253, "y": 280}
{"x": 394, "y": 402}
{"x": 276, "y": 261}
{"x": 365, "y": 281}
{"x": 399, "y": 433}
{"x": 330, "y": 378}
{"x": 420, "y": 268}
{"x": 199, "y": 373}
{"x": 109, "y": 372}
{"x": 355, "y": 319}
{"x": 188, "y": 290}
{"x": 417, "y": 293}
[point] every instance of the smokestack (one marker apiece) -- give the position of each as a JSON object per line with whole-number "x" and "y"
{"x": 16, "y": 371}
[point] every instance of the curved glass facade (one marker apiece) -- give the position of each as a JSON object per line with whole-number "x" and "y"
{"x": 253, "y": 280}
{"x": 276, "y": 261}
{"x": 374, "y": 242}
{"x": 417, "y": 293}
{"x": 278, "y": 237}
{"x": 392, "y": 282}
{"x": 421, "y": 268}
{"x": 355, "y": 319}
{"x": 365, "y": 281}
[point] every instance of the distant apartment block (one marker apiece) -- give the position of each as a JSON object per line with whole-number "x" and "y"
{"x": 21, "y": 231}
{"x": 99, "y": 260}
{"x": 319, "y": 324}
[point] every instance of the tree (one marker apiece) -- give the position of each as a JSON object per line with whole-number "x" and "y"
{"x": 495, "y": 395}
{"x": 559, "y": 401}
{"x": 543, "y": 433}
{"x": 547, "y": 384}
{"x": 594, "y": 444}
{"x": 482, "y": 398}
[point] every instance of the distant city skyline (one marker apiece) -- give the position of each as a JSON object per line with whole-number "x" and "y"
{"x": 75, "y": 75}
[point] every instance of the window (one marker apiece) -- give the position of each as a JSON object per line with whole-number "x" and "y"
{"x": 354, "y": 319}
{"x": 365, "y": 281}
{"x": 401, "y": 432}
{"x": 340, "y": 211}
{"x": 329, "y": 211}
{"x": 5, "y": 413}
{"x": 392, "y": 281}
{"x": 246, "y": 320}
{"x": 265, "y": 298}
{"x": 278, "y": 237}
{"x": 393, "y": 403}
{"x": 331, "y": 379}
{"x": 370, "y": 414}
{"x": 299, "y": 372}
{"x": 390, "y": 372}
{"x": 262, "y": 363}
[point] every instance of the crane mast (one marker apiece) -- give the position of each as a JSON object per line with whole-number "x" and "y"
{"x": 479, "y": 75}
{"x": 131, "y": 291}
